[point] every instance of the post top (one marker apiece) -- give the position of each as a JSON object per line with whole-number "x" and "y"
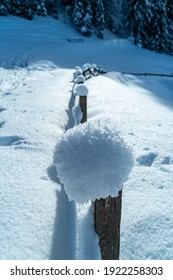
{"x": 80, "y": 79}
{"x": 81, "y": 90}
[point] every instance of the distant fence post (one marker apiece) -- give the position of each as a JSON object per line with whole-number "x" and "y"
{"x": 82, "y": 91}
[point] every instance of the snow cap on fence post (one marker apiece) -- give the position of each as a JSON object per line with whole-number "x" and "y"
{"x": 78, "y": 68}
{"x": 77, "y": 73}
{"x": 81, "y": 90}
{"x": 93, "y": 66}
{"x": 92, "y": 161}
{"x": 79, "y": 79}
{"x": 84, "y": 67}
{"x": 88, "y": 65}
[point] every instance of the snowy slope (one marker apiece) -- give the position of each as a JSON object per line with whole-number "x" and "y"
{"x": 36, "y": 68}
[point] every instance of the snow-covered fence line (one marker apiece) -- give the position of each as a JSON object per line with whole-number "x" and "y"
{"x": 98, "y": 149}
{"x": 93, "y": 161}
{"x": 91, "y": 70}
{"x": 88, "y": 71}
{"x": 80, "y": 75}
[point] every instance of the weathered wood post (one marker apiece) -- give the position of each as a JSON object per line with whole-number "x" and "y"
{"x": 83, "y": 106}
{"x": 107, "y": 220}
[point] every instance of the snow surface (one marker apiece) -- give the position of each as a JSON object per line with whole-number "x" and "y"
{"x": 92, "y": 161}
{"x": 36, "y": 71}
{"x": 145, "y": 121}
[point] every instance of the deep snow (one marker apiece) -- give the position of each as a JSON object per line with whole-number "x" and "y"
{"x": 37, "y": 61}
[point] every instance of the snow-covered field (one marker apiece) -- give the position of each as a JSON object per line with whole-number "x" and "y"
{"x": 38, "y": 221}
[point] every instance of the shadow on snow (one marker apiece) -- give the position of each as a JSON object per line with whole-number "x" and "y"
{"x": 64, "y": 235}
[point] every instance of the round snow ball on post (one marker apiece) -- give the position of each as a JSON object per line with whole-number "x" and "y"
{"x": 92, "y": 161}
{"x": 93, "y": 66}
{"x": 81, "y": 90}
{"x": 78, "y": 72}
{"x": 78, "y": 68}
{"x": 80, "y": 79}
{"x": 88, "y": 65}
{"x": 84, "y": 68}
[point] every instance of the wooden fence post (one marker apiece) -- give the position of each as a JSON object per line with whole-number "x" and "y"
{"x": 83, "y": 106}
{"x": 82, "y": 91}
{"x": 107, "y": 219}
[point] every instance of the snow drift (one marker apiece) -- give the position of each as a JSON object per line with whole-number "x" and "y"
{"x": 92, "y": 161}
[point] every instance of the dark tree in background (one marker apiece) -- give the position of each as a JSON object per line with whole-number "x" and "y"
{"x": 29, "y": 8}
{"x": 83, "y": 16}
{"x": 169, "y": 8}
{"x": 78, "y": 14}
{"x": 159, "y": 34}
{"x": 52, "y": 8}
{"x": 40, "y": 7}
{"x": 114, "y": 15}
{"x": 4, "y": 7}
{"x": 139, "y": 17}
{"x": 150, "y": 23}
{"x": 21, "y": 8}
{"x": 67, "y": 8}
{"x": 99, "y": 17}
{"x": 87, "y": 21}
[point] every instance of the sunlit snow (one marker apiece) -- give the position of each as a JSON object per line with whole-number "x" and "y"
{"x": 38, "y": 220}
